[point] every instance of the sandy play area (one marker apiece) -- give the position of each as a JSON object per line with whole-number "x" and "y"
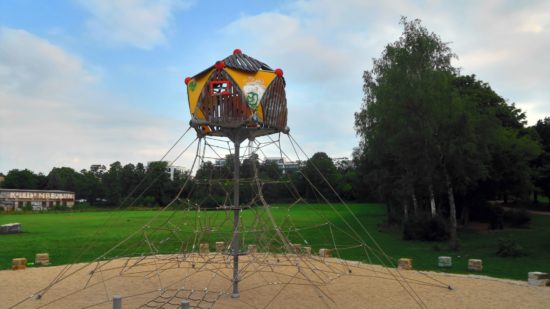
{"x": 267, "y": 281}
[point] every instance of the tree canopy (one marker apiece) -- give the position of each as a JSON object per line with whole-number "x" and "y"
{"x": 427, "y": 132}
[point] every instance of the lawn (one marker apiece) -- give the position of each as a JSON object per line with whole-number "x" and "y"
{"x": 72, "y": 237}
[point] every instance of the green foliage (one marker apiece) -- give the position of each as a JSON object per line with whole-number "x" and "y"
{"x": 318, "y": 180}
{"x": 496, "y": 218}
{"x": 61, "y": 208}
{"x": 426, "y": 129}
{"x": 415, "y": 129}
{"x": 541, "y": 165}
{"x": 27, "y": 207}
{"x": 425, "y": 228}
{"x": 24, "y": 179}
{"x": 148, "y": 201}
{"x": 112, "y": 183}
{"x": 320, "y": 177}
{"x": 63, "y": 178}
{"x": 518, "y": 218}
{"x": 509, "y": 247}
{"x": 82, "y": 206}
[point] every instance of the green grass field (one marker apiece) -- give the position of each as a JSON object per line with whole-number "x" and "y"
{"x": 72, "y": 237}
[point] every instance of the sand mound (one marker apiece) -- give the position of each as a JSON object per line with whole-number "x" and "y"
{"x": 268, "y": 281}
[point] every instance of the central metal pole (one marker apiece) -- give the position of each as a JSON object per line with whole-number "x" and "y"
{"x": 236, "y": 214}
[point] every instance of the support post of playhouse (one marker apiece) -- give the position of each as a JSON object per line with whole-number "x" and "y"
{"x": 236, "y": 214}
{"x": 184, "y": 304}
{"x": 117, "y": 302}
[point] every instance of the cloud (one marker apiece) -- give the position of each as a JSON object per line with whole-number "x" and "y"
{"x": 324, "y": 46}
{"x": 137, "y": 23}
{"x": 53, "y": 112}
{"x": 37, "y": 67}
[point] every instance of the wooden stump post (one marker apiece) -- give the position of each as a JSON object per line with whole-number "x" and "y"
{"x": 405, "y": 263}
{"x": 537, "y": 278}
{"x": 204, "y": 249}
{"x": 42, "y": 259}
{"x": 19, "y": 263}
{"x": 325, "y": 253}
{"x": 297, "y": 248}
{"x": 444, "y": 261}
{"x": 220, "y": 245}
{"x": 475, "y": 265}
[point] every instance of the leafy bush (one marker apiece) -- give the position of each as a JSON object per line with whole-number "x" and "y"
{"x": 509, "y": 247}
{"x": 426, "y": 228}
{"x": 149, "y": 201}
{"x": 496, "y": 218}
{"x": 517, "y": 218}
{"x": 27, "y": 207}
{"x": 494, "y": 215}
{"x": 211, "y": 202}
{"x": 481, "y": 211}
{"x": 82, "y": 206}
{"x": 60, "y": 208}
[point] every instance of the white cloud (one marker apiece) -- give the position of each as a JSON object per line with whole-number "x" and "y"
{"x": 138, "y": 23}
{"x": 53, "y": 113}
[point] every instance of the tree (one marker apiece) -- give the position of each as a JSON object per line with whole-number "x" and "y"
{"x": 320, "y": 176}
{"x": 129, "y": 179}
{"x": 89, "y": 187}
{"x": 269, "y": 169}
{"x": 159, "y": 181}
{"x": 510, "y": 145}
{"x": 416, "y": 130}
{"x": 63, "y": 178}
{"x": 24, "y": 179}
{"x": 347, "y": 179}
{"x": 111, "y": 181}
{"x": 541, "y": 164}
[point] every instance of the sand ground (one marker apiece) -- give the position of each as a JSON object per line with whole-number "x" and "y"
{"x": 267, "y": 281}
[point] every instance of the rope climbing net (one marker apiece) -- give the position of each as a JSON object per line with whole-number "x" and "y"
{"x": 291, "y": 246}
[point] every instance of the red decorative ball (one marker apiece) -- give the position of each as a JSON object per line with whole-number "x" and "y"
{"x": 237, "y": 52}
{"x": 219, "y": 65}
{"x": 187, "y": 80}
{"x": 279, "y": 72}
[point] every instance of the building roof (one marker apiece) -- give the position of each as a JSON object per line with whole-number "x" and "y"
{"x": 240, "y": 61}
{"x": 38, "y": 191}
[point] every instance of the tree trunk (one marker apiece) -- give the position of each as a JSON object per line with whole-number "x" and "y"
{"x": 432, "y": 201}
{"x": 466, "y": 214}
{"x": 415, "y": 204}
{"x": 452, "y": 212}
{"x": 405, "y": 211}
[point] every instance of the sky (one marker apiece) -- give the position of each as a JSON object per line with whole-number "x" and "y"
{"x": 93, "y": 82}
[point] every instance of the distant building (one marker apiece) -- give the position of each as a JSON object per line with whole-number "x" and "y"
{"x": 343, "y": 162}
{"x": 16, "y": 199}
{"x": 2, "y": 178}
{"x": 283, "y": 165}
{"x": 219, "y": 163}
{"x": 170, "y": 170}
